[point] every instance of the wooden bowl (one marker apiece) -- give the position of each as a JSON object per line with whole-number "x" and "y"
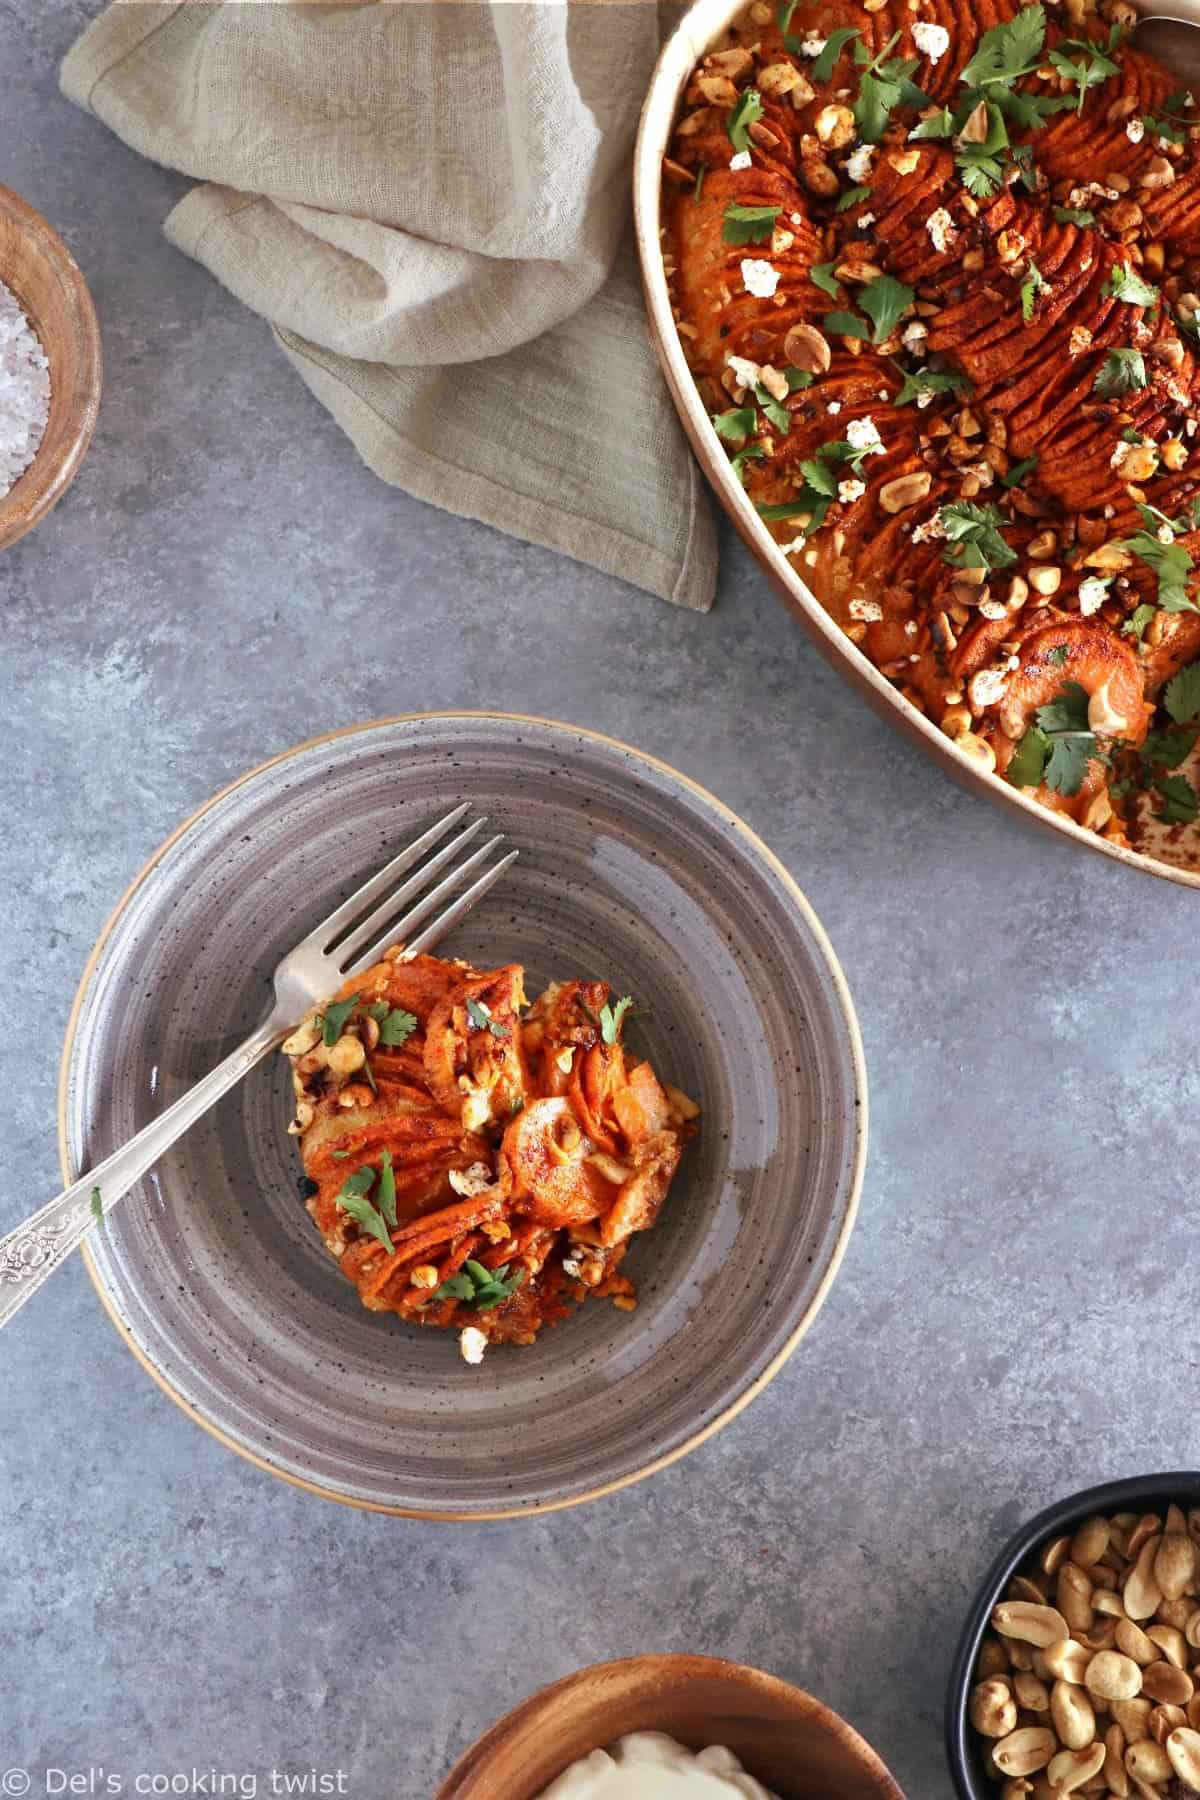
{"x": 699, "y": 28}
{"x": 785, "y": 1738}
{"x": 39, "y": 269}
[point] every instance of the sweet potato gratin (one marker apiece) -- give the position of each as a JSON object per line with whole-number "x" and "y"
{"x": 934, "y": 268}
{"x": 473, "y": 1164}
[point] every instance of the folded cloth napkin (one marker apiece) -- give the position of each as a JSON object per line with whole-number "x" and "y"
{"x": 429, "y": 203}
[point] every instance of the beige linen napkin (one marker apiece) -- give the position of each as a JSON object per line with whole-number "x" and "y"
{"x": 429, "y": 203}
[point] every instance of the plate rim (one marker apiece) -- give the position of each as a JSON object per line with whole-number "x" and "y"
{"x": 858, "y": 1123}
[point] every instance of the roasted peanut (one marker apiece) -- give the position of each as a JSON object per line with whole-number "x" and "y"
{"x": 993, "y": 1708}
{"x": 1113, "y": 1676}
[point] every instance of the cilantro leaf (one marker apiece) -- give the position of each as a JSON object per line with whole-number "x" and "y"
{"x": 886, "y": 82}
{"x": 1138, "y": 620}
{"x": 797, "y": 378}
{"x": 396, "y": 1028}
{"x": 752, "y": 453}
{"x": 835, "y": 43}
{"x": 851, "y": 197}
{"x": 747, "y": 112}
{"x": 1031, "y": 287}
{"x": 1073, "y": 215}
{"x": 97, "y": 1205}
{"x": 844, "y": 324}
{"x": 1122, "y": 372}
{"x": 1124, "y": 283}
{"x": 1181, "y": 804}
{"x": 1182, "y": 698}
{"x": 736, "y": 425}
{"x": 748, "y": 224}
{"x": 1068, "y": 711}
{"x": 482, "y": 1288}
{"x": 1171, "y": 565}
{"x": 1167, "y": 749}
{"x": 1019, "y": 471}
{"x": 885, "y": 300}
{"x": 1083, "y": 62}
{"x": 822, "y": 275}
{"x": 928, "y": 381}
{"x": 1070, "y": 754}
{"x": 353, "y": 1200}
{"x": 774, "y": 409}
{"x": 387, "y": 1188}
{"x": 939, "y": 125}
{"x": 613, "y": 1017}
{"x": 336, "y": 1014}
{"x": 481, "y": 1016}
{"x": 975, "y": 532}
{"x": 456, "y": 1287}
{"x": 1008, "y": 51}
{"x": 1029, "y": 759}
{"x": 1170, "y": 134}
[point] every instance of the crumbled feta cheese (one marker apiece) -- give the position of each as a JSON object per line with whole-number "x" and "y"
{"x": 760, "y": 278}
{"x": 931, "y": 40}
{"x": 866, "y": 219}
{"x": 797, "y": 219}
{"x": 928, "y": 528}
{"x": 797, "y": 544}
{"x": 742, "y": 160}
{"x": 862, "y": 434}
{"x": 1080, "y": 341}
{"x": 834, "y": 407}
{"x": 995, "y": 610}
{"x": 1092, "y": 594}
{"x": 858, "y": 163}
{"x": 1091, "y": 190}
{"x": 869, "y": 611}
{"x": 924, "y": 398}
{"x": 745, "y": 373}
{"x": 474, "y": 1180}
{"x": 849, "y": 491}
{"x": 940, "y": 227}
{"x": 910, "y": 628}
{"x": 812, "y": 45}
{"x": 1135, "y": 130}
{"x": 472, "y": 1343}
{"x": 1164, "y": 534}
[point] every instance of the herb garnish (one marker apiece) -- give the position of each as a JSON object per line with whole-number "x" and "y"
{"x": 1182, "y": 696}
{"x": 1161, "y": 128}
{"x": 1138, "y": 620}
{"x": 975, "y": 533}
{"x": 1124, "y": 283}
{"x": 748, "y": 224}
{"x": 97, "y": 1204}
{"x": 613, "y": 1017}
{"x": 938, "y": 125}
{"x": 823, "y": 277}
{"x": 775, "y": 411}
{"x": 395, "y": 1025}
{"x": 886, "y": 83}
{"x": 1008, "y": 51}
{"x": 1167, "y": 749}
{"x": 1156, "y": 547}
{"x": 820, "y": 482}
{"x": 736, "y": 425}
{"x": 835, "y": 43}
{"x": 928, "y": 381}
{"x": 1073, "y": 215}
{"x": 1019, "y": 471}
{"x": 980, "y": 164}
{"x": 751, "y": 453}
{"x": 885, "y": 300}
{"x": 1031, "y": 287}
{"x": 482, "y": 1288}
{"x": 1122, "y": 372}
{"x": 353, "y": 1200}
{"x": 336, "y": 1014}
{"x": 1059, "y": 747}
{"x": 387, "y": 1188}
{"x": 480, "y": 1014}
{"x": 747, "y": 112}
{"x": 851, "y": 197}
{"x": 1081, "y": 60}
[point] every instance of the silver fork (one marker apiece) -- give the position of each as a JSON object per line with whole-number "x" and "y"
{"x": 349, "y": 940}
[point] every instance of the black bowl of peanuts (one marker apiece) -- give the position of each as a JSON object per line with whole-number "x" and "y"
{"x": 1078, "y": 1669}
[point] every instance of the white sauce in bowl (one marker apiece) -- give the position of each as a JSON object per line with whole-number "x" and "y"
{"x": 648, "y": 1765}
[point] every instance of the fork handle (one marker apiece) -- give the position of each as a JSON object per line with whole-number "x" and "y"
{"x": 30, "y": 1254}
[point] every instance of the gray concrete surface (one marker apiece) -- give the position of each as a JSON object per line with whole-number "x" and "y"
{"x": 1014, "y": 1313}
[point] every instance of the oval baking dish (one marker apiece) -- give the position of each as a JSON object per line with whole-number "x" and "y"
{"x": 698, "y": 30}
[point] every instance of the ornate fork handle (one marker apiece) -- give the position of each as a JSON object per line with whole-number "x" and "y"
{"x": 31, "y": 1253}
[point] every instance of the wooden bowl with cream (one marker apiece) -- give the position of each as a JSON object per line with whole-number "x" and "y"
{"x": 786, "y": 1739}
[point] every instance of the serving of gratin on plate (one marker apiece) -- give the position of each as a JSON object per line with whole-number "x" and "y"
{"x": 473, "y": 1164}
{"x": 933, "y": 271}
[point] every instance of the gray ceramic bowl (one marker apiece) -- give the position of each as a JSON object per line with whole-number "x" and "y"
{"x": 213, "y": 1272}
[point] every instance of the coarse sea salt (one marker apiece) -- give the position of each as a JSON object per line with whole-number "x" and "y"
{"x": 24, "y": 391}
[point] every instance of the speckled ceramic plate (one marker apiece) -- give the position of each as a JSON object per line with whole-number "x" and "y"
{"x": 212, "y": 1270}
